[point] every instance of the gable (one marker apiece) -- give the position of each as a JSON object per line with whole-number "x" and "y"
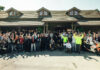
{"x": 74, "y": 8}
{"x": 43, "y": 9}
{"x": 73, "y": 11}
{"x": 13, "y": 12}
{"x": 43, "y": 12}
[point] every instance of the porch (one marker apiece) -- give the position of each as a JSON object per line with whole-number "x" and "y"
{"x": 21, "y": 26}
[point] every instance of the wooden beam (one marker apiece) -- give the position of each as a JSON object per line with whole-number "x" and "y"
{"x": 46, "y": 27}
{"x": 72, "y": 26}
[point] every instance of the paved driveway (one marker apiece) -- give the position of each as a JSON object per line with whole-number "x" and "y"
{"x": 50, "y": 60}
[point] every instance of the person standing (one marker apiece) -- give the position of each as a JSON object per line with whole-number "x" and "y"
{"x": 25, "y": 44}
{"x": 59, "y": 43}
{"x": 52, "y": 44}
{"x": 68, "y": 47}
{"x": 11, "y": 42}
{"x": 42, "y": 42}
{"x": 21, "y": 41}
{"x": 47, "y": 41}
{"x": 65, "y": 40}
{"x": 78, "y": 41}
{"x": 89, "y": 40}
{"x": 33, "y": 45}
{"x": 73, "y": 44}
{"x": 28, "y": 42}
{"x": 38, "y": 42}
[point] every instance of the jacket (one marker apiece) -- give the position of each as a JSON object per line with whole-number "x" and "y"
{"x": 65, "y": 39}
{"x": 78, "y": 39}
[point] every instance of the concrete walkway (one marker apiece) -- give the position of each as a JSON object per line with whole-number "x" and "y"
{"x": 47, "y": 60}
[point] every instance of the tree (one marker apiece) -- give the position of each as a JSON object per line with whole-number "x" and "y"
{"x": 1, "y": 8}
{"x": 97, "y": 10}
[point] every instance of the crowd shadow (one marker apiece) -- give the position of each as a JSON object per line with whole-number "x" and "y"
{"x": 84, "y": 54}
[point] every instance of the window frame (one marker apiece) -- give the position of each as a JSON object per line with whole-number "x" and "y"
{"x": 76, "y": 12}
{"x": 44, "y": 13}
{"x": 11, "y": 13}
{"x": 14, "y": 13}
{"x": 73, "y": 13}
{"x": 41, "y": 13}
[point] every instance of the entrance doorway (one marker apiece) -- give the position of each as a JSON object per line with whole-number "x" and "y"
{"x": 59, "y": 27}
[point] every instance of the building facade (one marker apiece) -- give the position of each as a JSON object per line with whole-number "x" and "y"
{"x": 45, "y": 20}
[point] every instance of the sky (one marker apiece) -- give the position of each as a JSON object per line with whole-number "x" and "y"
{"x": 50, "y": 4}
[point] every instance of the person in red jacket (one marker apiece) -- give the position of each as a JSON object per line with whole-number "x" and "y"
{"x": 21, "y": 40}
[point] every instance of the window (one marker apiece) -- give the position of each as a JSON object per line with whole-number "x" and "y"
{"x": 14, "y": 13}
{"x": 75, "y": 12}
{"x": 41, "y": 13}
{"x": 71, "y": 13}
{"x": 11, "y": 13}
{"x": 45, "y": 13}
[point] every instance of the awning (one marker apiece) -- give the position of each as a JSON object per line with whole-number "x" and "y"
{"x": 60, "y": 19}
{"x": 89, "y": 23}
{"x": 21, "y": 23}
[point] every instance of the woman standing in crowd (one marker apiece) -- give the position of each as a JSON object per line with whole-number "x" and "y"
{"x": 73, "y": 44}
{"x": 59, "y": 42}
{"x": 38, "y": 42}
{"x": 52, "y": 44}
{"x": 42, "y": 42}
{"x": 20, "y": 42}
{"x": 33, "y": 45}
{"x": 28, "y": 42}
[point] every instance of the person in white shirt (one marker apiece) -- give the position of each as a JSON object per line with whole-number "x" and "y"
{"x": 90, "y": 40}
{"x": 68, "y": 46}
{"x": 51, "y": 35}
{"x": 73, "y": 44}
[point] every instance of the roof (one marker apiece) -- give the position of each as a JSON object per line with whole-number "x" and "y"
{"x": 74, "y": 8}
{"x": 90, "y": 13}
{"x": 53, "y": 13}
{"x": 43, "y": 8}
{"x": 29, "y": 14}
{"x": 11, "y": 9}
{"x": 60, "y": 19}
{"x": 21, "y": 23}
{"x": 89, "y": 23}
{"x": 26, "y": 14}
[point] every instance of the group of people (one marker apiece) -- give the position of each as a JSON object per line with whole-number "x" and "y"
{"x": 35, "y": 41}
